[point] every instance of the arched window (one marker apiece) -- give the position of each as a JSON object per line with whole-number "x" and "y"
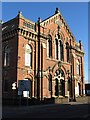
{"x": 6, "y": 56}
{"x": 28, "y": 55}
{"x": 59, "y": 55}
{"x": 67, "y": 51}
{"x": 78, "y": 67}
{"x": 56, "y": 49}
{"x": 49, "y": 47}
{"x": 61, "y": 51}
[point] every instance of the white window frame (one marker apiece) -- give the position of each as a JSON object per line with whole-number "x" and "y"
{"x": 28, "y": 56}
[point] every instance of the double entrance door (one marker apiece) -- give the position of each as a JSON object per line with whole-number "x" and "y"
{"x": 59, "y": 87}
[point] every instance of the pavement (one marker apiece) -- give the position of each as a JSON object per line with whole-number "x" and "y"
{"x": 66, "y": 110}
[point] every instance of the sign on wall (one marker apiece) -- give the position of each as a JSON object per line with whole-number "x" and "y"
{"x": 14, "y": 86}
{"x": 24, "y": 85}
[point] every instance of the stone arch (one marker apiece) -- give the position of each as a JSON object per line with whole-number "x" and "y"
{"x": 30, "y": 44}
{"x": 30, "y": 76}
{"x": 61, "y": 33}
{"x": 56, "y": 67}
{"x": 56, "y": 80}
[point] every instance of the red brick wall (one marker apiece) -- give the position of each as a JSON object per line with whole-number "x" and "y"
{"x": 18, "y": 44}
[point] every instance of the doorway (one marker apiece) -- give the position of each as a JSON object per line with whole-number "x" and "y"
{"x": 28, "y": 93}
{"x": 59, "y": 83}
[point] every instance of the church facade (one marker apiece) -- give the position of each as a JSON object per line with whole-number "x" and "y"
{"x": 46, "y": 53}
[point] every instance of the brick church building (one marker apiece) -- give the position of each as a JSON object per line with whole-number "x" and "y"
{"x": 46, "y": 53}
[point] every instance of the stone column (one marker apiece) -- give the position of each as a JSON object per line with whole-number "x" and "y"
{"x": 66, "y": 87}
{"x": 33, "y": 88}
{"x": 53, "y": 87}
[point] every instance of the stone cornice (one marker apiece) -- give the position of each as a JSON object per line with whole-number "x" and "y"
{"x": 30, "y": 34}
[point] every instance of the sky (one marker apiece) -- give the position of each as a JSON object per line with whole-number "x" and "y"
{"x": 45, "y": 0}
{"x": 74, "y": 13}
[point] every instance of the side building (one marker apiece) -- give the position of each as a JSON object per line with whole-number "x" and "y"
{"x": 45, "y": 53}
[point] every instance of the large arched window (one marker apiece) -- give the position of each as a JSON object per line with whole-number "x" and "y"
{"x": 59, "y": 55}
{"x": 49, "y": 47}
{"x": 78, "y": 67}
{"x": 67, "y": 51}
{"x": 61, "y": 51}
{"x": 6, "y": 56}
{"x": 56, "y": 49}
{"x": 28, "y": 55}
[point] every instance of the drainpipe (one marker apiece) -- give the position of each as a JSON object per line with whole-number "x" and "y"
{"x": 38, "y": 70}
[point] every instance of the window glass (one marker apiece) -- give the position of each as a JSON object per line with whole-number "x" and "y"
{"x": 49, "y": 47}
{"x": 28, "y": 55}
{"x": 6, "y": 56}
{"x": 78, "y": 67}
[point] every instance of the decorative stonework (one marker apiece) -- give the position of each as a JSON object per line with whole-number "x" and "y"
{"x": 58, "y": 22}
{"x": 44, "y": 62}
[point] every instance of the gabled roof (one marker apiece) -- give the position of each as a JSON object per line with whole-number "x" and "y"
{"x": 57, "y": 12}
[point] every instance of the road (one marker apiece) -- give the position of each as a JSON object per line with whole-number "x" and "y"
{"x": 70, "y": 110}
